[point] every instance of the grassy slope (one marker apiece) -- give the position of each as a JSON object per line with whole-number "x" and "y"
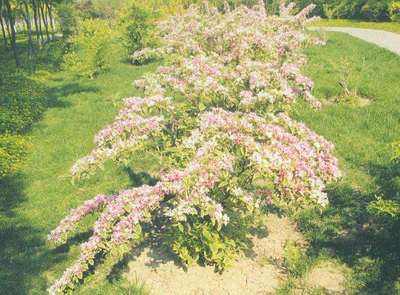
{"x": 65, "y": 135}
{"x": 362, "y": 136}
{"x": 35, "y": 201}
{"x": 386, "y": 26}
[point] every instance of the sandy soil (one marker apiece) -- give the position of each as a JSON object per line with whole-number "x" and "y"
{"x": 251, "y": 274}
{"x": 328, "y": 277}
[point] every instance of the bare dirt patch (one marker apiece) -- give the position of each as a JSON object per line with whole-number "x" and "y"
{"x": 360, "y": 101}
{"x": 251, "y": 274}
{"x": 327, "y": 276}
{"x": 364, "y": 101}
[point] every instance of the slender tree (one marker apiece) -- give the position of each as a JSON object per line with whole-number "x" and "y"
{"x": 49, "y": 6}
{"x": 42, "y": 13}
{"x": 7, "y": 25}
{"x": 11, "y": 22}
{"x": 27, "y": 17}
{"x": 37, "y": 5}
{"x": 2, "y": 24}
{"x": 31, "y": 18}
{"x": 35, "y": 20}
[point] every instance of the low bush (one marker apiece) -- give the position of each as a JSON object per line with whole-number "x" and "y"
{"x": 394, "y": 11}
{"x": 136, "y": 21}
{"x": 13, "y": 150}
{"x": 372, "y": 10}
{"x": 89, "y": 49}
{"x": 295, "y": 261}
{"x": 348, "y": 8}
{"x": 375, "y": 10}
{"x": 22, "y": 102}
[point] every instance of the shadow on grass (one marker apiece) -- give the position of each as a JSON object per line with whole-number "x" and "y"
{"x": 109, "y": 267}
{"x": 23, "y": 251}
{"x": 365, "y": 241}
{"x": 139, "y": 178}
{"x": 48, "y": 57}
{"x": 10, "y": 194}
{"x": 55, "y": 93}
{"x": 157, "y": 252}
{"x": 24, "y": 254}
{"x": 23, "y": 100}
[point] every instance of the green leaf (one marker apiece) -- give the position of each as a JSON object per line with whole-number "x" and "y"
{"x": 202, "y": 107}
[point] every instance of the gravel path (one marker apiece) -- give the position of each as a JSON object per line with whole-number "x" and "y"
{"x": 388, "y": 40}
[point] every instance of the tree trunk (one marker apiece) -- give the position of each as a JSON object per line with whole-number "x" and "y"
{"x": 39, "y": 22}
{"x": 2, "y": 25}
{"x": 8, "y": 27}
{"x": 44, "y": 18}
{"x": 4, "y": 32}
{"x": 27, "y": 18}
{"x": 49, "y": 5}
{"x": 11, "y": 21}
{"x": 35, "y": 19}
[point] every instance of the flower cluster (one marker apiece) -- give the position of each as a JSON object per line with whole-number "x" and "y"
{"x": 297, "y": 161}
{"x": 134, "y": 124}
{"x": 122, "y": 213}
{"x": 218, "y": 56}
{"x": 217, "y": 107}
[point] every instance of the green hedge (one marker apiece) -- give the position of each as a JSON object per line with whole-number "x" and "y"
{"x": 21, "y": 102}
{"x": 13, "y": 150}
{"x": 90, "y": 48}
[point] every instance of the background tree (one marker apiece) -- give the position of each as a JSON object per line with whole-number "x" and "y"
{"x": 10, "y": 14}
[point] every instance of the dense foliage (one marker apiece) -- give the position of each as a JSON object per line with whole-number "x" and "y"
{"x": 215, "y": 115}
{"x": 13, "y": 150}
{"x": 32, "y": 19}
{"x": 136, "y": 21}
{"x": 89, "y": 48}
{"x": 394, "y": 11}
{"x": 374, "y": 10}
{"x": 67, "y": 18}
{"x": 21, "y": 102}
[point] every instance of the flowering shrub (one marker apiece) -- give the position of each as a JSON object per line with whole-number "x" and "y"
{"x": 215, "y": 114}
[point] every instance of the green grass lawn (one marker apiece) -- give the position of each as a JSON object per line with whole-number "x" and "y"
{"x": 362, "y": 136}
{"x": 386, "y": 26}
{"x": 33, "y": 202}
